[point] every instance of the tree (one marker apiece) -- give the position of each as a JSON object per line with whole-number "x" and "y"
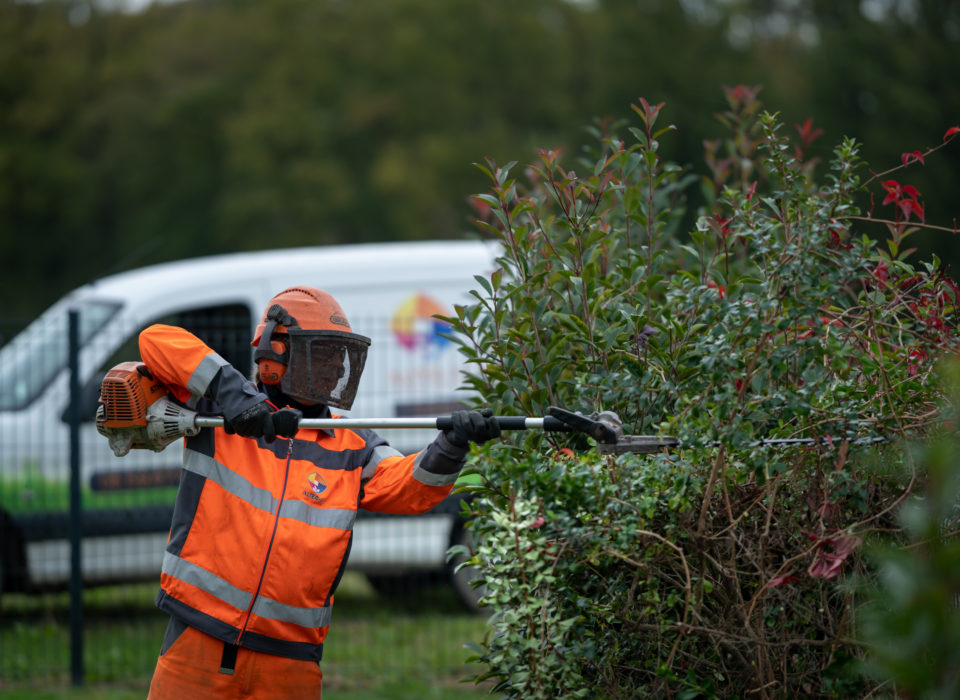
{"x": 207, "y": 127}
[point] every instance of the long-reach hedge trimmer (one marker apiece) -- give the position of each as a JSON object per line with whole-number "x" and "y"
{"x": 136, "y": 412}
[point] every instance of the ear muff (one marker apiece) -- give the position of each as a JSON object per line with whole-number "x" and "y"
{"x": 272, "y": 368}
{"x": 273, "y": 353}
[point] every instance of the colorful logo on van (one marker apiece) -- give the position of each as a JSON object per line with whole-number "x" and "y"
{"x": 413, "y": 324}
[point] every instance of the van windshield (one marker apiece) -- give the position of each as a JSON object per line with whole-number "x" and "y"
{"x": 32, "y": 359}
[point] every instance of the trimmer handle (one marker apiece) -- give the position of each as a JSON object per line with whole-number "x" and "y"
{"x": 603, "y": 427}
{"x": 515, "y": 423}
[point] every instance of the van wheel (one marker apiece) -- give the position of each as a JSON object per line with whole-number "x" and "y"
{"x": 462, "y": 579}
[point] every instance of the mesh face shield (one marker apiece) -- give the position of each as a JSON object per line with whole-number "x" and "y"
{"x": 325, "y": 366}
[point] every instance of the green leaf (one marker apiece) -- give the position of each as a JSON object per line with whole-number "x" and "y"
{"x": 483, "y": 282}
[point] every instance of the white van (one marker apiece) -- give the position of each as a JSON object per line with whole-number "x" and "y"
{"x": 389, "y": 291}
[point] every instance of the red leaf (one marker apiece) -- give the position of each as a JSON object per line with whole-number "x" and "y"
{"x": 719, "y": 287}
{"x": 911, "y": 191}
{"x": 781, "y": 580}
{"x": 829, "y": 564}
{"x": 908, "y": 206}
{"x": 893, "y": 192}
{"x": 907, "y": 158}
{"x": 952, "y": 131}
{"x": 740, "y": 95}
{"x": 650, "y": 112}
{"x": 722, "y": 223}
{"x": 807, "y": 133}
{"x": 835, "y": 237}
{"x": 845, "y": 544}
{"x": 880, "y": 271}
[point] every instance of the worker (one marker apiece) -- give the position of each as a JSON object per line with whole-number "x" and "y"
{"x": 264, "y": 515}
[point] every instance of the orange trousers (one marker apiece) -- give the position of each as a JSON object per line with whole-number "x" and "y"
{"x": 190, "y": 668}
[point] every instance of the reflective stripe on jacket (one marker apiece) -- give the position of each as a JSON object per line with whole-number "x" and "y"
{"x": 261, "y": 532}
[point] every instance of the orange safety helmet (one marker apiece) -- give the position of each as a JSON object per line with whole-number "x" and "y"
{"x": 305, "y": 344}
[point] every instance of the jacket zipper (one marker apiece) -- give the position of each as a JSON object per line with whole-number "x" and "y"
{"x": 273, "y": 535}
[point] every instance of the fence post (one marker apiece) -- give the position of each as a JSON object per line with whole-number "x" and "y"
{"x": 76, "y": 533}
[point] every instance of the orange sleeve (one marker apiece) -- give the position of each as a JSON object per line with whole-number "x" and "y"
{"x": 397, "y": 488}
{"x": 412, "y": 484}
{"x": 179, "y": 359}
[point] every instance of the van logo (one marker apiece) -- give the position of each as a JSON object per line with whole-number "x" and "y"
{"x": 317, "y": 486}
{"x": 414, "y": 326}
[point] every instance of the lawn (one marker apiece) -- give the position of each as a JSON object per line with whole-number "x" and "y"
{"x": 390, "y": 650}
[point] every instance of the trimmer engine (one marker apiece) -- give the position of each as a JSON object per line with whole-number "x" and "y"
{"x": 136, "y": 411}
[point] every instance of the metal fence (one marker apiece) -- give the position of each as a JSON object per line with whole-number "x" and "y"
{"x": 82, "y": 532}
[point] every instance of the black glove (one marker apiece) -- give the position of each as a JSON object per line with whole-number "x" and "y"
{"x": 260, "y": 421}
{"x": 286, "y": 421}
{"x": 472, "y": 426}
{"x": 250, "y": 422}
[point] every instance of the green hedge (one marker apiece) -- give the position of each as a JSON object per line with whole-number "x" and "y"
{"x": 715, "y": 569}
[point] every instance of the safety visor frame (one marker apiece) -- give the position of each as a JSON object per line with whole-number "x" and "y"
{"x": 324, "y": 366}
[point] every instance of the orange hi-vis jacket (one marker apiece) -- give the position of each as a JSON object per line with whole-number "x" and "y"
{"x": 261, "y": 531}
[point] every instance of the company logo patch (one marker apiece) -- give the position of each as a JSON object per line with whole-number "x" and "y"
{"x": 338, "y": 320}
{"x": 414, "y": 326}
{"x": 317, "y": 486}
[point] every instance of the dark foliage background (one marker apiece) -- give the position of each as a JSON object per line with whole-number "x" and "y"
{"x": 207, "y": 126}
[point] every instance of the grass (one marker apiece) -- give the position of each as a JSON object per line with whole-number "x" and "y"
{"x": 411, "y": 647}
{"x": 32, "y": 493}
